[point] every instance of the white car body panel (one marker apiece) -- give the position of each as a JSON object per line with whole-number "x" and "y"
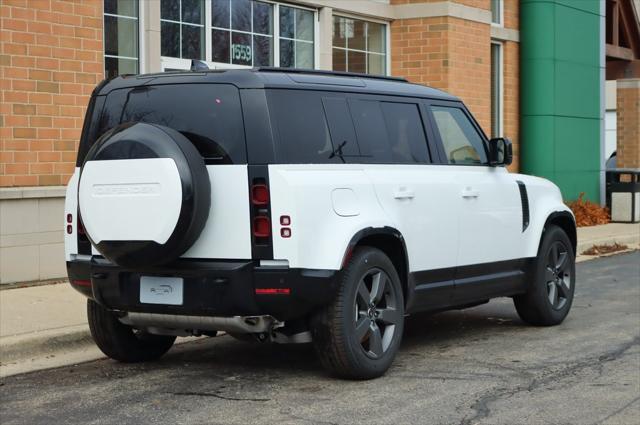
{"x": 319, "y": 236}
{"x": 130, "y": 199}
{"x": 422, "y": 203}
{"x": 227, "y": 233}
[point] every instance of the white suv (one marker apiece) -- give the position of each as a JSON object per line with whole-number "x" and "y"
{"x": 301, "y": 206}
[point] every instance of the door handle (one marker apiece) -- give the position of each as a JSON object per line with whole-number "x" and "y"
{"x": 470, "y": 193}
{"x": 404, "y": 193}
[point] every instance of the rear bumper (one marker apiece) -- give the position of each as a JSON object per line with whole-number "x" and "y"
{"x": 211, "y": 288}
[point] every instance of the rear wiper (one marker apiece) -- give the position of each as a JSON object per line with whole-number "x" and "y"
{"x": 338, "y": 151}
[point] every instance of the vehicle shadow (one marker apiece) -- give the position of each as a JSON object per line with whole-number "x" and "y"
{"x": 225, "y": 356}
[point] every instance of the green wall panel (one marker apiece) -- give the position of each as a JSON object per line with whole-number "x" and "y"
{"x": 560, "y": 93}
{"x": 574, "y": 90}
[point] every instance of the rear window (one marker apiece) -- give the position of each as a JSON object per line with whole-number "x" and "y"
{"x": 209, "y": 115}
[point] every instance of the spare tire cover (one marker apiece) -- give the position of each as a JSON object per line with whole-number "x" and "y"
{"x": 144, "y": 194}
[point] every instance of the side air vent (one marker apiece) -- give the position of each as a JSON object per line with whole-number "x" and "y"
{"x": 524, "y": 199}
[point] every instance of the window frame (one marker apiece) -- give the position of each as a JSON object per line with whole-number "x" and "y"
{"x": 500, "y": 13}
{"x": 141, "y": 40}
{"x": 168, "y": 62}
{"x": 387, "y": 36}
{"x": 500, "y": 94}
{"x": 439, "y": 145}
{"x": 180, "y": 23}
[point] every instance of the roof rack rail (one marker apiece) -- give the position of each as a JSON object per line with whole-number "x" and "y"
{"x": 324, "y": 72}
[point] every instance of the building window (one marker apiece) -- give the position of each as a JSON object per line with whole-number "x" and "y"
{"x": 182, "y": 28}
{"x": 359, "y": 46}
{"x": 121, "y": 37}
{"x": 496, "y": 89}
{"x": 242, "y": 32}
{"x": 296, "y": 37}
{"x": 497, "y": 11}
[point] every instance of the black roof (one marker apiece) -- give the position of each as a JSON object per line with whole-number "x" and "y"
{"x": 258, "y": 78}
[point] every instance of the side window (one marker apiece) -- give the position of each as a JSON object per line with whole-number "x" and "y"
{"x": 462, "y": 143}
{"x": 371, "y": 130}
{"x": 343, "y": 135}
{"x": 389, "y": 132}
{"x": 303, "y": 134}
{"x": 406, "y": 134}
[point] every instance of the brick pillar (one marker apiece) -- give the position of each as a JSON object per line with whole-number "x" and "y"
{"x": 628, "y": 111}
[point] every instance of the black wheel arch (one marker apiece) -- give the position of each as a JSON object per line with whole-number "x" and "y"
{"x": 390, "y": 241}
{"x": 566, "y": 222}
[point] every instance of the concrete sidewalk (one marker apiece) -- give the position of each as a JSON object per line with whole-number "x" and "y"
{"x": 46, "y": 326}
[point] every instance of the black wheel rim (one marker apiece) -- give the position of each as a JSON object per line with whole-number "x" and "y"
{"x": 558, "y": 275}
{"x": 376, "y": 313}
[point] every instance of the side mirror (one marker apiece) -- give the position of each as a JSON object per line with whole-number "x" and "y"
{"x": 500, "y": 152}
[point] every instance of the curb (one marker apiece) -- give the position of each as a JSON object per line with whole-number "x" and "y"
{"x": 630, "y": 240}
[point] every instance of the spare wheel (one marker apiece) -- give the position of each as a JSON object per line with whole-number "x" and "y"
{"x": 144, "y": 194}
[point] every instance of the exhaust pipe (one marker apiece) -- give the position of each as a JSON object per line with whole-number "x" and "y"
{"x": 235, "y": 324}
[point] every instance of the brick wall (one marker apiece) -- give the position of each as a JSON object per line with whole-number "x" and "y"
{"x": 50, "y": 61}
{"x": 446, "y": 53}
{"x": 628, "y": 111}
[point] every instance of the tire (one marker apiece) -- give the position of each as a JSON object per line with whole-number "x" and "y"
{"x": 550, "y": 293}
{"x": 356, "y": 341}
{"x": 121, "y": 342}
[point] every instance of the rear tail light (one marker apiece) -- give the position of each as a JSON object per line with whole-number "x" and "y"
{"x": 273, "y": 291}
{"x": 261, "y": 226}
{"x": 69, "y": 218}
{"x": 260, "y": 194}
{"x": 69, "y": 229}
{"x": 81, "y": 282}
{"x": 81, "y": 230}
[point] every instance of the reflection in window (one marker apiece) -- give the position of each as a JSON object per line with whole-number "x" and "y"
{"x": 496, "y": 90}
{"x": 242, "y": 32}
{"x": 120, "y": 37}
{"x": 496, "y": 11}
{"x": 182, "y": 28}
{"x": 359, "y": 46}
{"x": 462, "y": 143}
{"x": 296, "y": 38}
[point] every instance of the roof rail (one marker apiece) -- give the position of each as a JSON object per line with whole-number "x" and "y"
{"x": 328, "y": 73}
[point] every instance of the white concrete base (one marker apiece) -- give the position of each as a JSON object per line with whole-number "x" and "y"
{"x": 31, "y": 234}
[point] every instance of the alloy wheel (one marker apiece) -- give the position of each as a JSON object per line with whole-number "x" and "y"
{"x": 376, "y": 313}
{"x": 558, "y": 275}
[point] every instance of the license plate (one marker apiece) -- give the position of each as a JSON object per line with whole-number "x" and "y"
{"x": 161, "y": 290}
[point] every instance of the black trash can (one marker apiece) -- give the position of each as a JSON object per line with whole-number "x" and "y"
{"x": 623, "y": 194}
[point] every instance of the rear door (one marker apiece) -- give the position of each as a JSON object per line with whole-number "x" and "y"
{"x": 210, "y": 116}
{"x": 415, "y": 194}
{"x": 490, "y": 217}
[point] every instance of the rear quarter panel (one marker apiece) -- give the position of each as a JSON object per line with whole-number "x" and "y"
{"x": 328, "y": 204}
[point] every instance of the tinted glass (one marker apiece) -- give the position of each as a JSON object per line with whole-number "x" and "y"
{"x": 170, "y": 9}
{"x": 193, "y": 11}
{"x": 121, "y": 7}
{"x": 220, "y": 13}
{"x": 371, "y": 130}
{"x": 119, "y": 66}
{"x": 303, "y": 134}
{"x": 287, "y": 18}
{"x": 192, "y": 42}
{"x": 120, "y": 36}
{"x": 262, "y": 50}
{"x": 241, "y": 51}
{"x": 220, "y": 51}
{"x": 462, "y": 143}
{"x": 304, "y": 55}
{"x": 170, "y": 35}
{"x": 343, "y": 135}
{"x": 262, "y": 18}
{"x": 241, "y": 15}
{"x": 405, "y": 131}
{"x": 208, "y": 115}
{"x": 287, "y": 58}
{"x": 304, "y": 25}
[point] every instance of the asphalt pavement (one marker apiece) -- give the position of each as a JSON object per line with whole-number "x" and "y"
{"x": 481, "y": 365}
